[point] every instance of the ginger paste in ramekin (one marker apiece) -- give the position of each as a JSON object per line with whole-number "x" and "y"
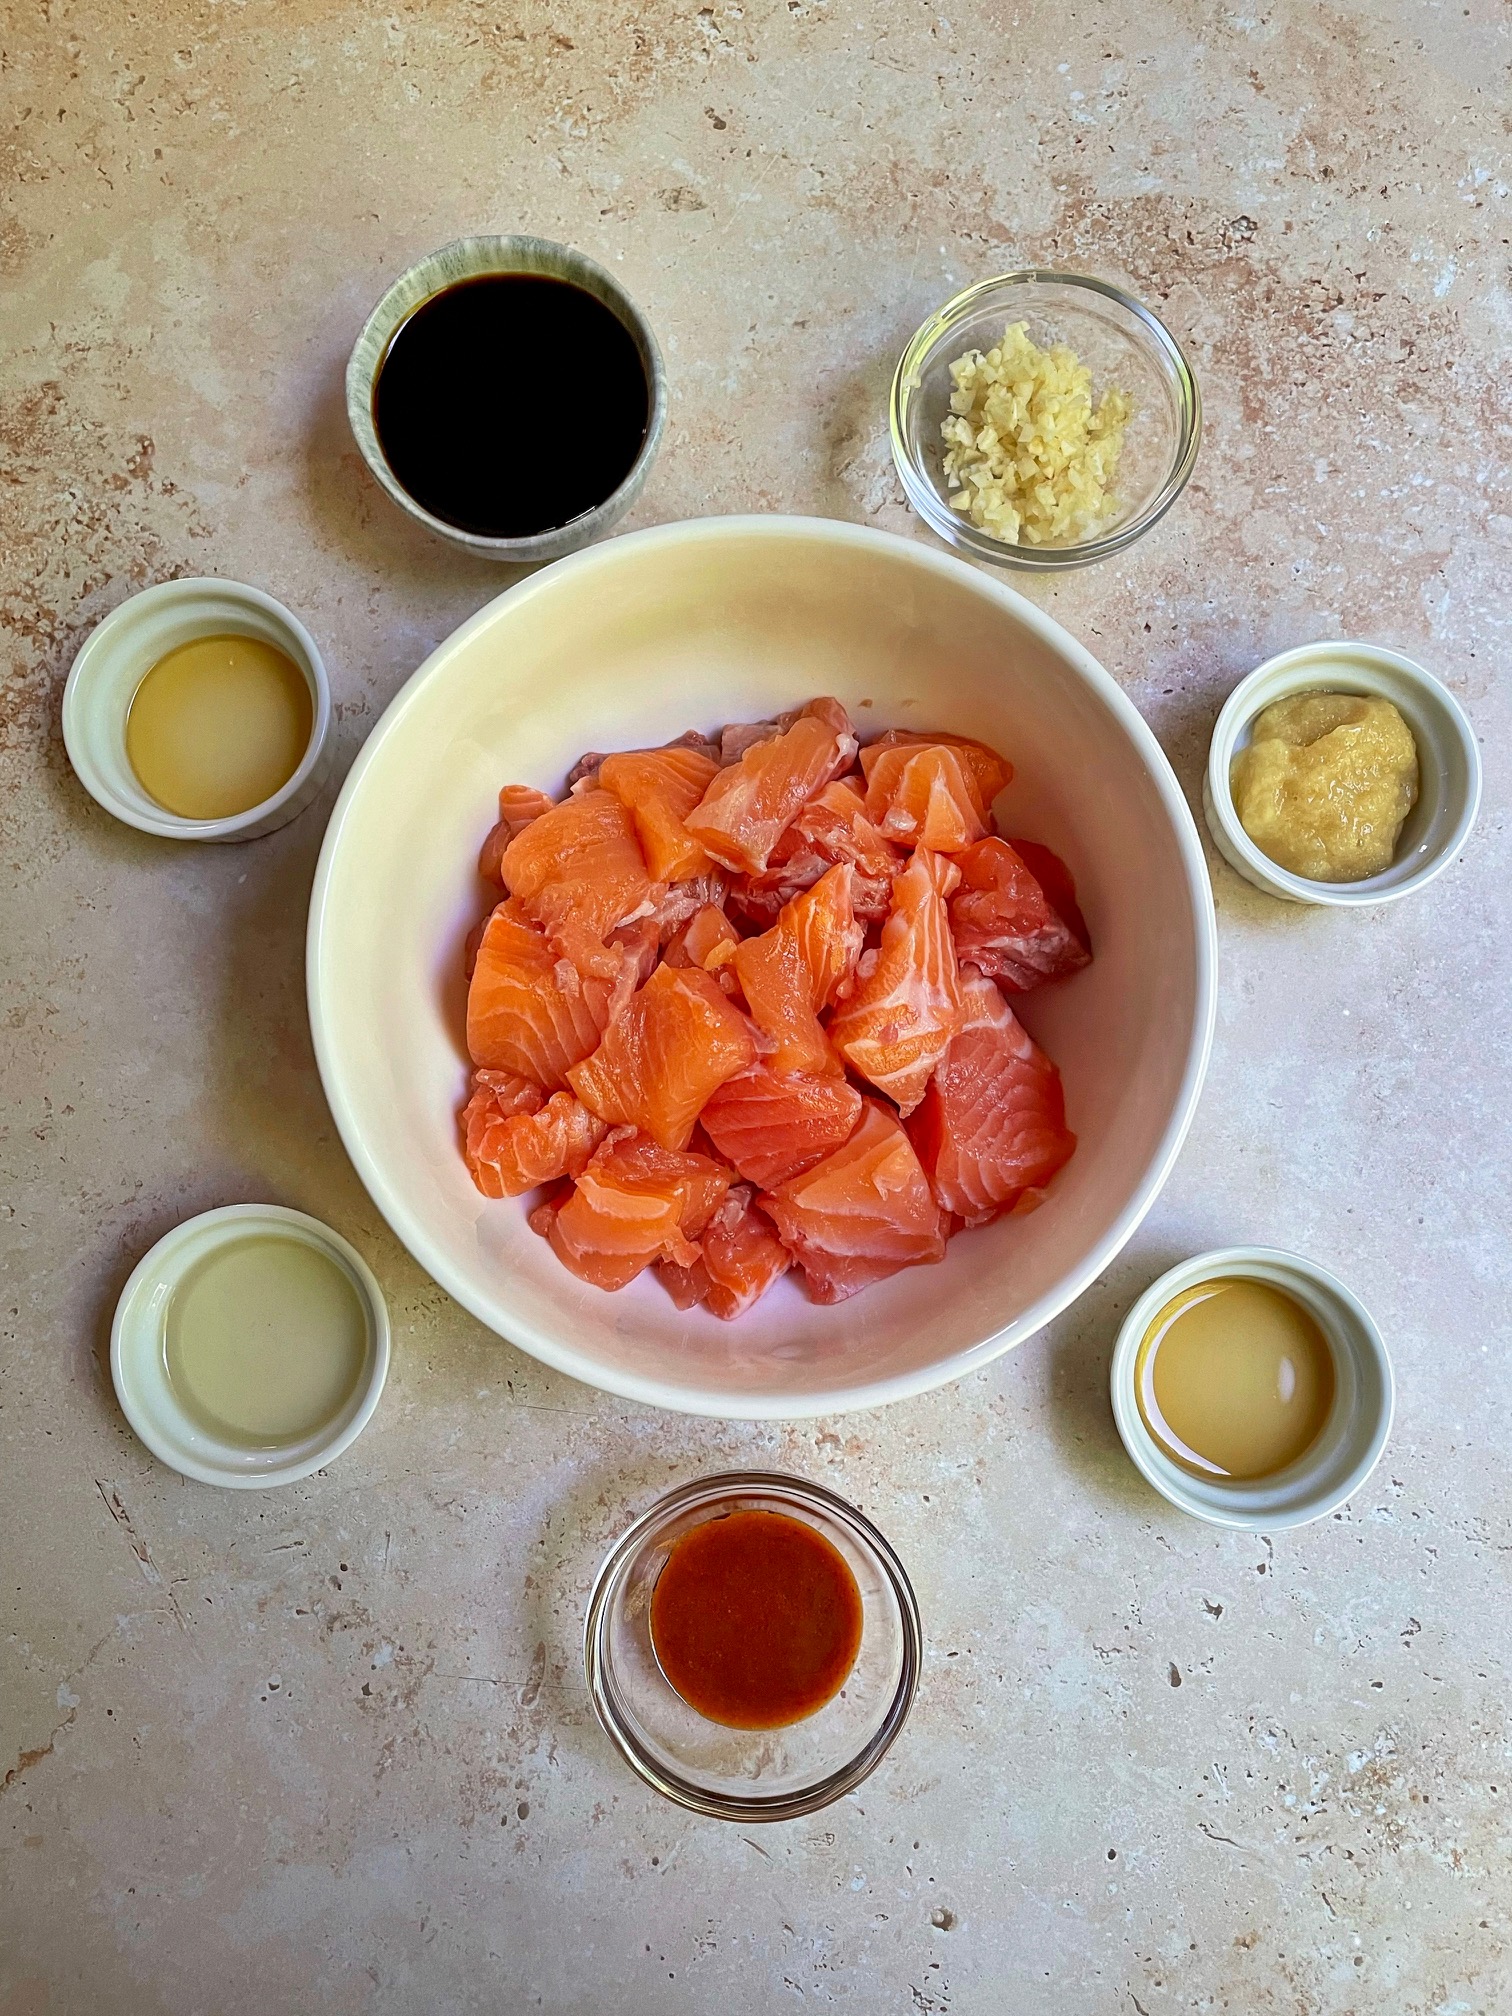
{"x": 1325, "y": 783}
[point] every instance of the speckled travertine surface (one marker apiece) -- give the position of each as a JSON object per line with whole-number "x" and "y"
{"x": 328, "y": 1749}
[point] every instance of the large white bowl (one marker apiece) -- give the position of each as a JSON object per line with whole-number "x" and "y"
{"x": 733, "y": 619}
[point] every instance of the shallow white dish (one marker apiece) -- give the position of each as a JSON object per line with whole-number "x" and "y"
{"x": 1449, "y": 769}
{"x": 139, "y": 1370}
{"x": 1350, "y": 1442}
{"x": 728, "y": 620}
{"x": 120, "y": 652}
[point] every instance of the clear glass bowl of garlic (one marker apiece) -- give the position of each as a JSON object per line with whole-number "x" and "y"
{"x": 1023, "y": 456}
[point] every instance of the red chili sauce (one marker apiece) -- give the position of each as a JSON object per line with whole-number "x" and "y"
{"x": 756, "y": 1619}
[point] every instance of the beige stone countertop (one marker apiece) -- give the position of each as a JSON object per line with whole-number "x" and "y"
{"x": 329, "y": 1748}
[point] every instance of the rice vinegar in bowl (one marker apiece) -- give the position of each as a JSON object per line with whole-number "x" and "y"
{"x": 1234, "y": 1379}
{"x": 1252, "y": 1389}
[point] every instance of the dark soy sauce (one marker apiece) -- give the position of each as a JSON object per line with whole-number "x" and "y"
{"x": 511, "y": 404}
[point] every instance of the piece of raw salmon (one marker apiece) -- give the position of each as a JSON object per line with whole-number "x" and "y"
{"x": 742, "y": 1256}
{"x": 514, "y": 1142}
{"x": 993, "y": 773}
{"x": 578, "y": 871}
{"x": 688, "y": 1286}
{"x": 894, "y": 1028}
{"x": 518, "y": 805}
{"x": 750, "y": 804}
{"x": 1004, "y": 923}
{"x": 861, "y": 1214}
{"x": 635, "y": 1202}
{"x": 708, "y": 939}
{"x": 771, "y": 1126}
{"x": 792, "y": 973}
{"x": 1055, "y": 878}
{"x": 659, "y": 788}
{"x": 586, "y": 769}
{"x": 830, "y": 828}
{"x": 669, "y": 1049}
{"x": 528, "y": 1010}
{"x": 680, "y": 900}
{"x": 925, "y": 795}
{"x": 992, "y": 1126}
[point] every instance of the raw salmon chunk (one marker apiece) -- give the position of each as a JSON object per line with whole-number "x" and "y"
{"x": 1055, "y": 878}
{"x": 742, "y": 1256}
{"x": 895, "y": 1027}
{"x": 518, "y": 805}
{"x": 688, "y": 1286}
{"x": 772, "y": 1126}
{"x": 708, "y": 939}
{"x": 528, "y": 1011}
{"x": 830, "y": 828}
{"x": 660, "y": 787}
{"x": 992, "y": 1125}
{"x": 634, "y": 1203}
{"x": 578, "y": 871}
{"x": 495, "y": 1098}
{"x": 791, "y": 973}
{"x": 1004, "y": 924}
{"x": 512, "y": 1151}
{"x": 673, "y": 1045}
{"x": 750, "y": 804}
{"x": 862, "y": 1214}
{"x": 926, "y": 795}
{"x": 991, "y": 771}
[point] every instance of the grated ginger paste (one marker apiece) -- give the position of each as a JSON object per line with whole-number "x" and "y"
{"x": 1029, "y": 458}
{"x": 1325, "y": 784}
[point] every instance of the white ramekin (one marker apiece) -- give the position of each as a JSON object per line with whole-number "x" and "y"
{"x": 1449, "y": 774}
{"x": 138, "y": 1364}
{"x": 120, "y": 652}
{"x": 1350, "y": 1444}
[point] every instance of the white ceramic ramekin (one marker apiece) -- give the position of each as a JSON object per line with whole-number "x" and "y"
{"x": 1352, "y": 1438}
{"x": 1449, "y": 774}
{"x": 120, "y": 652}
{"x": 469, "y": 259}
{"x": 139, "y": 1369}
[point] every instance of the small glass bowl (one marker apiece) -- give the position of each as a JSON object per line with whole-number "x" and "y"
{"x": 1119, "y": 341}
{"x": 751, "y": 1774}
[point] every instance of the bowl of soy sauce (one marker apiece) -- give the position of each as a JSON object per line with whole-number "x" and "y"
{"x": 509, "y": 395}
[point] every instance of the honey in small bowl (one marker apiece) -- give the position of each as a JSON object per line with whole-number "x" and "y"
{"x": 219, "y": 726}
{"x": 1234, "y": 1379}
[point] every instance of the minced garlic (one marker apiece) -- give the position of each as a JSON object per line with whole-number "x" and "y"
{"x": 1029, "y": 458}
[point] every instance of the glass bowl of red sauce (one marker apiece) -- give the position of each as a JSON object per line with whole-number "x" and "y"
{"x": 753, "y": 1646}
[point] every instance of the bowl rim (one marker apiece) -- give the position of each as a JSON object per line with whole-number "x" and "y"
{"x": 691, "y": 1397}
{"x": 228, "y": 1224}
{"x": 780, "y": 1485}
{"x": 1333, "y": 664}
{"x": 1138, "y": 1443}
{"x": 96, "y": 651}
{"x": 500, "y": 252}
{"x": 924, "y": 494}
